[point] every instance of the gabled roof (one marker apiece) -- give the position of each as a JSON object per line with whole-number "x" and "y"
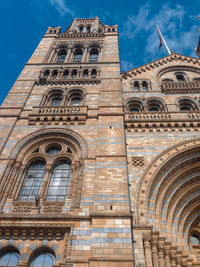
{"x": 159, "y": 62}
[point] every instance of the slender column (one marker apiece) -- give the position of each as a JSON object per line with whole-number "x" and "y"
{"x": 85, "y": 55}
{"x": 8, "y": 187}
{"x": 45, "y": 183}
{"x": 6, "y": 174}
{"x": 140, "y": 85}
{"x": 13, "y": 182}
{"x": 147, "y": 248}
{"x": 178, "y": 259}
{"x": 154, "y": 245}
{"x": 173, "y": 256}
{"x": 18, "y": 183}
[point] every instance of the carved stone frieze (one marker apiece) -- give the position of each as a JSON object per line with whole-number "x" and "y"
{"x": 56, "y": 208}
{"x": 21, "y": 209}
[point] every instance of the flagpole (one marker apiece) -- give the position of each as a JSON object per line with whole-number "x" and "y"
{"x": 167, "y": 48}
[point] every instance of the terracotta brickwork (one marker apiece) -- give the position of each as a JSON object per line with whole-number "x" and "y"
{"x": 100, "y": 168}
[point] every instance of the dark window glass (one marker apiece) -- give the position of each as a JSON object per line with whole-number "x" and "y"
{"x": 94, "y": 55}
{"x": 9, "y": 259}
{"x": 75, "y": 101}
{"x": 61, "y": 56}
{"x": 154, "y": 108}
{"x": 60, "y": 181}
{"x": 136, "y": 86}
{"x": 46, "y": 73}
{"x": 185, "y": 107}
{"x": 194, "y": 240}
{"x": 43, "y": 260}
{"x": 66, "y": 74}
{"x": 134, "y": 109}
{"x": 56, "y": 101}
{"x": 85, "y": 73}
{"x": 94, "y": 74}
{"x": 81, "y": 29}
{"x": 54, "y": 75}
{"x": 53, "y": 150}
{"x": 144, "y": 86}
{"x": 180, "y": 78}
{"x": 88, "y": 28}
{"x": 74, "y": 74}
{"x": 78, "y": 55}
{"x": 32, "y": 181}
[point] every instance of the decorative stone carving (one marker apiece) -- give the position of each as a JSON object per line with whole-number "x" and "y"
{"x": 21, "y": 209}
{"x": 52, "y": 209}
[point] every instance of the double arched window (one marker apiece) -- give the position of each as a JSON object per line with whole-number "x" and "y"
{"x": 187, "y": 104}
{"x": 59, "y": 181}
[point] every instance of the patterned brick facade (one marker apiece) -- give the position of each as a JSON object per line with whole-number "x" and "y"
{"x": 128, "y": 144}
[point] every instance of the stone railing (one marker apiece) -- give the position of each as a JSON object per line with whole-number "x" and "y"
{"x": 58, "y": 115}
{"x": 180, "y": 87}
{"x": 163, "y": 121}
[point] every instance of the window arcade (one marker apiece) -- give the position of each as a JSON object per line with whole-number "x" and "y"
{"x": 9, "y": 259}
{"x": 43, "y": 259}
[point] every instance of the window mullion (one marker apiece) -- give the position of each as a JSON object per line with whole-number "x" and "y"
{"x": 45, "y": 184}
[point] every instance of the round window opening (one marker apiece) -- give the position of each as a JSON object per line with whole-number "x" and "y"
{"x": 52, "y": 150}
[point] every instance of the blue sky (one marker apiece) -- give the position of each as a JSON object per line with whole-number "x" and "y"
{"x": 23, "y": 23}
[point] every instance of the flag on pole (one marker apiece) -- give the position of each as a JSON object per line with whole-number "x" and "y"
{"x": 161, "y": 43}
{"x": 198, "y": 48}
{"x": 162, "y": 40}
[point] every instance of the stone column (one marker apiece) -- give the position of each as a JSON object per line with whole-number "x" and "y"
{"x": 173, "y": 256}
{"x": 161, "y": 252}
{"x": 18, "y": 182}
{"x": 167, "y": 254}
{"x": 6, "y": 174}
{"x": 8, "y": 186}
{"x": 85, "y": 55}
{"x": 147, "y": 248}
{"x": 68, "y": 56}
{"x": 154, "y": 245}
{"x": 178, "y": 259}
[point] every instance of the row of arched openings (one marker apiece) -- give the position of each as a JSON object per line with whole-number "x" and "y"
{"x": 78, "y": 55}
{"x": 67, "y": 74}
{"x": 156, "y": 105}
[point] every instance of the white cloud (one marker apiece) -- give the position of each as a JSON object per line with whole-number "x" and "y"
{"x": 170, "y": 21}
{"x": 61, "y": 6}
{"x": 126, "y": 65}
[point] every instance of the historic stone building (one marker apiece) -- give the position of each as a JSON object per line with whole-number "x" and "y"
{"x": 100, "y": 168}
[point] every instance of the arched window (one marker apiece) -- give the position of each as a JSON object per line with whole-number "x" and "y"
{"x": 186, "y": 105}
{"x": 43, "y": 260}
{"x": 94, "y": 54}
{"x": 144, "y": 86}
{"x": 196, "y": 79}
{"x": 136, "y": 86}
{"x": 46, "y": 73}
{"x": 66, "y": 74}
{"x": 85, "y": 74}
{"x": 75, "y": 100}
{"x": 32, "y": 181}
{"x": 54, "y": 74}
{"x": 88, "y": 28}
{"x": 135, "y": 106}
{"x": 81, "y": 28}
{"x": 78, "y": 55}
{"x": 167, "y": 81}
{"x": 9, "y": 259}
{"x": 74, "y": 74}
{"x": 61, "y": 56}
{"x": 155, "y": 106}
{"x": 180, "y": 78}
{"x": 60, "y": 181}
{"x": 94, "y": 73}
{"x": 56, "y": 100}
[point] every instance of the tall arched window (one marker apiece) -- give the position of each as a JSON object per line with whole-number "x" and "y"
{"x": 144, "y": 86}
{"x": 74, "y": 74}
{"x": 33, "y": 181}
{"x": 9, "y": 259}
{"x": 60, "y": 181}
{"x": 94, "y": 54}
{"x": 46, "y": 74}
{"x": 54, "y": 74}
{"x": 94, "y": 73}
{"x": 61, "y": 56}
{"x": 43, "y": 260}
{"x": 136, "y": 86}
{"x": 78, "y": 55}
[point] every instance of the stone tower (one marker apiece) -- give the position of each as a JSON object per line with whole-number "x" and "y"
{"x": 100, "y": 168}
